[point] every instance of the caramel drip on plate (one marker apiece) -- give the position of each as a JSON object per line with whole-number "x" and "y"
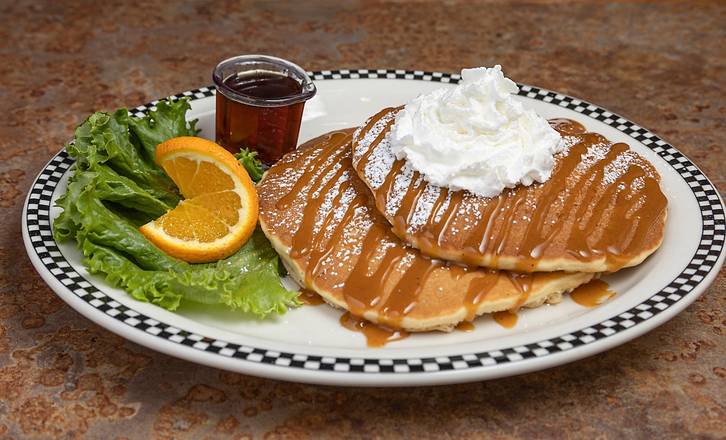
{"x": 465, "y": 326}
{"x": 602, "y": 201}
{"x": 592, "y": 294}
{"x": 385, "y": 276}
{"x": 376, "y": 335}
{"x": 506, "y": 318}
{"x": 310, "y": 298}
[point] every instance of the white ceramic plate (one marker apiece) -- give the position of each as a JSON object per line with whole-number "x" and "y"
{"x": 309, "y": 345}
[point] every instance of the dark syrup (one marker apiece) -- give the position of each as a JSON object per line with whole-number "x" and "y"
{"x": 271, "y": 131}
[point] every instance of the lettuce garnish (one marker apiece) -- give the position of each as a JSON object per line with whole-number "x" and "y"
{"x": 115, "y": 187}
{"x": 248, "y": 159}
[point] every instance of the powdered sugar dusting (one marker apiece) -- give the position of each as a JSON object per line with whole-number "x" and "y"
{"x": 379, "y": 164}
{"x": 319, "y": 184}
{"x": 618, "y": 167}
{"x": 338, "y": 208}
{"x": 469, "y": 213}
{"x": 345, "y": 201}
{"x": 440, "y": 213}
{"x": 594, "y": 154}
{"x": 638, "y": 184}
{"x": 424, "y": 207}
{"x": 380, "y": 157}
{"x": 402, "y": 181}
{"x": 566, "y": 142}
{"x": 362, "y": 143}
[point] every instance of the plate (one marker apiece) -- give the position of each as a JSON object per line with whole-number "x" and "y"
{"x": 309, "y": 345}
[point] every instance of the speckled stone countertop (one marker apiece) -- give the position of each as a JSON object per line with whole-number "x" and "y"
{"x": 660, "y": 64}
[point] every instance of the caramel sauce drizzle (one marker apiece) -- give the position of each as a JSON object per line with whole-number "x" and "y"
{"x": 506, "y": 318}
{"x": 367, "y": 286}
{"x": 477, "y": 291}
{"x": 310, "y": 298}
{"x": 592, "y": 294}
{"x": 465, "y": 326}
{"x": 376, "y": 335}
{"x": 604, "y": 208}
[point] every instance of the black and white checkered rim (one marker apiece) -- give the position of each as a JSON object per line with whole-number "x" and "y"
{"x": 709, "y": 249}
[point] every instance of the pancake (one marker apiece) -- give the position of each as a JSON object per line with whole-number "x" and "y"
{"x": 316, "y": 213}
{"x": 601, "y": 210}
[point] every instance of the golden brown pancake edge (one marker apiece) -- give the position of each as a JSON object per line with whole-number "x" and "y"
{"x": 446, "y": 296}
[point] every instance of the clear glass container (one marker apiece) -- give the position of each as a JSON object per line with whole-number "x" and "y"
{"x": 260, "y": 102}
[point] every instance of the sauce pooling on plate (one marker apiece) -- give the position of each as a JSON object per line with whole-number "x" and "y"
{"x": 376, "y": 335}
{"x": 506, "y": 318}
{"x": 465, "y": 326}
{"x": 310, "y": 298}
{"x": 592, "y": 294}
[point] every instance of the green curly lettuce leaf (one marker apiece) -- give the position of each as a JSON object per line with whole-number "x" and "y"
{"x": 252, "y": 164}
{"x": 241, "y": 281}
{"x": 162, "y": 124}
{"x": 115, "y": 187}
{"x": 104, "y": 139}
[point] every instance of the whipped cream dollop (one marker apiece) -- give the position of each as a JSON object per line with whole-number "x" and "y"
{"x": 475, "y": 136}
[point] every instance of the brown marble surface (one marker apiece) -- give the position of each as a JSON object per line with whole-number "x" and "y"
{"x": 660, "y": 64}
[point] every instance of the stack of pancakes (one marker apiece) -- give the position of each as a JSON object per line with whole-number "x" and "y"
{"x": 370, "y": 235}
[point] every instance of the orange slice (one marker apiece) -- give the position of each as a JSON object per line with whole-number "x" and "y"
{"x": 219, "y": 211}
